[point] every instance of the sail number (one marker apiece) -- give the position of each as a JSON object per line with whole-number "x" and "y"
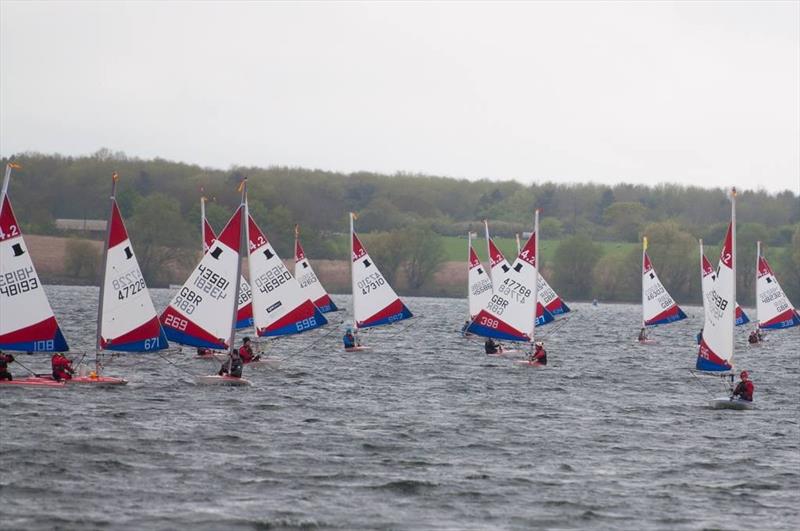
{"x": 272, "y": 279}
{"x": 245, "y": 294}
{"x": 371, "y": 283}
{"x": 487, "y": 321}
{"x": 307, "y": 280}
{"x": 305, "y": 324}
{"x": 131, "y": 289}
{"x": 173, "y": 321}
{"x": 719, "y": 301}
{"x": 514, "y": 290}
{"x": 211, "y": 283}
{"x": 19, "y": 281}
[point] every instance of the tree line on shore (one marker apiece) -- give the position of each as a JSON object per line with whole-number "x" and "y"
{"x": 404, "y": 216}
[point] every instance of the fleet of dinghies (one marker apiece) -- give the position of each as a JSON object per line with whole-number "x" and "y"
{"x": 507, "y": 302}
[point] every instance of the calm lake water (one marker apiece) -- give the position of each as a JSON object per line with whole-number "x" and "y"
{"x": 422, "y": 432}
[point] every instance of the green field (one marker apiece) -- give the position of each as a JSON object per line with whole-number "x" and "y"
{"x": 456, "y": 247}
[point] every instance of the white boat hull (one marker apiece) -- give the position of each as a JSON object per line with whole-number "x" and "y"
{"x": 223, "y": 380}
{"x": 731, "y": 403}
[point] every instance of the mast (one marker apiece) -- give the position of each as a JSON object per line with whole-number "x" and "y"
{"x": 98, "y": 344}
{"x": 758, "y": 263}
{"x": 536, "y": 271}
{"x": 518, "y": 246}
{"x": 6, "y": 179}
{"x": 733, "y": 268}
{"x": 352, "y": 278}
{"x": 203, "y": 221}
{"x": 702, "y": 275}
{"x": 244, "y": 226}
{"x": 644, "y": 253}
{"x": 469, "y": 268}
{"x": 488, "y": 247}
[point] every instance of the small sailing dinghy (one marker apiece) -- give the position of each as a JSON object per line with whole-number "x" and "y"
{"x": 375, "y": 303}
{"x": 707, "y": 277}
{"x": 775, "y": 310}
{"x": 509, "y": 313}
{"x": 309, "y": 283}
{"x": 244, "y": 312}
{"x": 280, "y": 306}
{"x": 717, "y": 345}
{"x": 479, "y": 284}
{"x": 548, "y": 296}
{"x": 658, "y": 306}
{"x": 203, "y": 313}
{"x": 126, "y": 318}
{"x": 27, "y": 322}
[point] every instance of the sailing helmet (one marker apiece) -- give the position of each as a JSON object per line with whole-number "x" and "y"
{"x": 539, "y": 344}
{"x": 744, "y": 374}
{"x": 245, "y": 340}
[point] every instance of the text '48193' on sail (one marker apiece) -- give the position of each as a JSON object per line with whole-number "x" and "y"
{"x": 27, "y": 322}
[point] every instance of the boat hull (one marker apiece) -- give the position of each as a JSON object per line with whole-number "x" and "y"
{"x": 731, "y": 403}
{"x": 33, "y": 381}
{"x": 532, "y": 364}
{"x": 223, "y": 380}
{"x": 359, "y": 348}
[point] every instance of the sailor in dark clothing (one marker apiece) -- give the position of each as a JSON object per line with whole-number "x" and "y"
{"x": 349, "y": 339}
{"x": 233, "y": 365}
{"x": 492, "y": 347}
{"x": 5, "y": 359}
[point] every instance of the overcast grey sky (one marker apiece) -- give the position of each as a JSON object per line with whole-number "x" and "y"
{"x": 696, "y": 93}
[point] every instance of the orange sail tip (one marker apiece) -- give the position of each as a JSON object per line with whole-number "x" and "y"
{"x": 354, "y": 215}
{"x": 296, "y": 230}
{"x": 14, "y": 165}
{"x": 115, "y": 176}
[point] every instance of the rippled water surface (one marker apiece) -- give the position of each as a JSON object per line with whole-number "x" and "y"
{"x": 423, "y": 432}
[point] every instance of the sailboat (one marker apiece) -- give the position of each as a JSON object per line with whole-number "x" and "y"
{"x": 707, "y": 277}
{"x": 126, "y": 318}
{"x": 203, "y": 313}
{"x": 308, "y": 280}
{"x": 775, "y": 310}
{"x": 500, "y": 269}
{"x": 717, "y": 345}
{"x": 479, "y": 288}
{"x": 658, "y": 306}
{"x": 509, "y": 313}
{"x": 548, "y": 296}
{"x": 27, "y": 322}
{"x": 244, "y": 312}
{"x": 375, "y": 303}
{"x": 280, "y": 306}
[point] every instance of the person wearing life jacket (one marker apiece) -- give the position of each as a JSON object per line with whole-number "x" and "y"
{"x": 62, "y": 367}
{"x": 232, "y": 366}
{"x": 464, "y": 329}
{"x": 745, "y": 388}
{"x": 755, "y": 336}
{"x": 539, "y": 354}
{"x": 643, "y": 334}
{"x": 349, "y": 339}
{"x": 246, "y": 352}
{"x": 699, "y": 336}
{"x": 492, "y": 347}
{"x": 5, "y": 359}
{"x": 203, "y": 352}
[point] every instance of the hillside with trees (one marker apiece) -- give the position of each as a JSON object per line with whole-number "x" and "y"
{"x": 405, "y": 219}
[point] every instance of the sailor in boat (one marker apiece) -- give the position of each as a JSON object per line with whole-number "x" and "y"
{"x": 643, "y": 334}
{"x": 699, "y": 336}
{"x": 492, "y": 347}
{"x": 349, "y": 339}
{"x": 246, "y": 352}
{"x": 203, "y": 352}
{"x": 233, "y": 365}
{"x": 5, "y": 359}
{"x": 539, "y": 354}
{"x": 755, "y": 336}
{"x": 62, "y": 367}
{"x": 745, "y": 388}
